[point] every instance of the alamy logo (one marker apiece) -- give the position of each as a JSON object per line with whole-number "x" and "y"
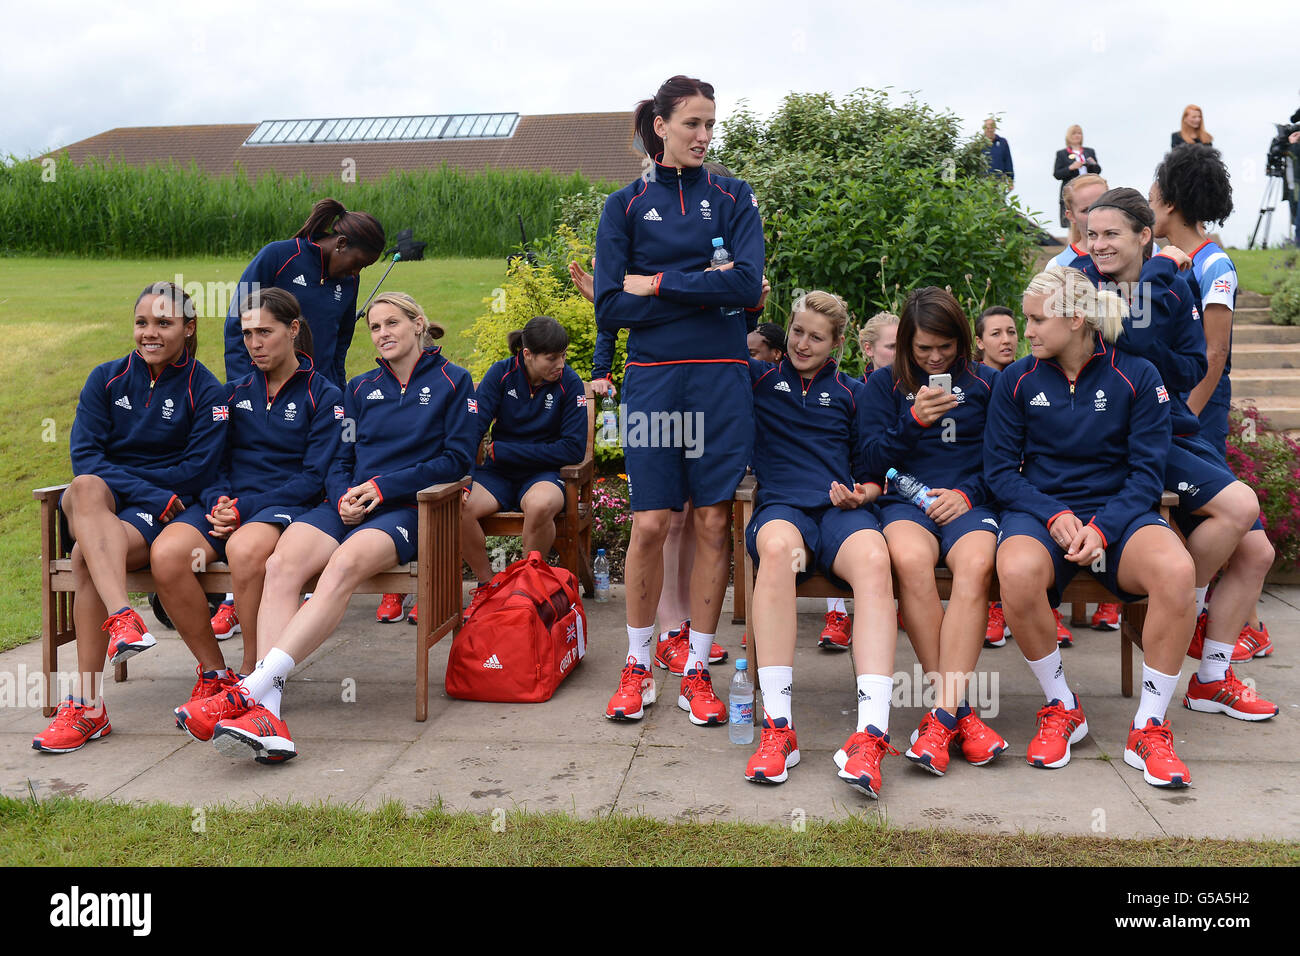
{"x": 493, "y": 664}
{"x": 246, "y": 405}
{"x": 1099, "y": 402}
{"x": 301, "y": 280}
{"x": 653, "y": 216}
{"x": 74, "y": 908}
{"x": 781, "y": 386}
{"x": 375, "y": 395}
{"x": 1040, "y": 400}
{"x": 123, "y": 402}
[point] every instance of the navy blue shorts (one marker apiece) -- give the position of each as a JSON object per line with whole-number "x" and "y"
{"x": 824, "y": 532}
{"x": 1197, "y": 473}
{"x": 1214, "y": 425}
{"x": 509, "y": 488}
{"x": 688, "y": 432}
{"x": 195, "y": 517}
{"x": 399, "y": 522}
{"x": 138, "y": 516}
{"x": 1018, "y": 522}
{"x": 977, "y": 519}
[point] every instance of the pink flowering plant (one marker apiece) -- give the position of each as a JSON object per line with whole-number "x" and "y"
{"x": 1269, "y": 462}
{"x": 611, "y": 522}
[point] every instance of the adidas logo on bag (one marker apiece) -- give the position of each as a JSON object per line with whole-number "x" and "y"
{"x": 1040, "y": 400}
{"x": 376, "y": 394}
{"x": 653, "y": 216}
{"x": 123, "y": 402}
{"x": 493, "y": 664}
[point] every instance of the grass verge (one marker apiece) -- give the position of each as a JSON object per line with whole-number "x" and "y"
{"x": 1260, "y": 270}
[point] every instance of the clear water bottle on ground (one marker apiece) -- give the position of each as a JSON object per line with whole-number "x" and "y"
{"x": 910, "y": 487}
{"x": 600, "y": 569}
{"x": 740, "y": 705}
{"x": 608, "y": 421}
{"x": 720, "y": 258}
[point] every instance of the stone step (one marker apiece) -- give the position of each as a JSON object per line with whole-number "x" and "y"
{"x": 1283, "y": 413}
{"x": 1266, "y": 383}
{"x": 1260, "y": 333}
{"x": 1264, "y": 356}
{"x": 1251, "y": 300}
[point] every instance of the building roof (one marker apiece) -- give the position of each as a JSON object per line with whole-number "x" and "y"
{"x": 596, "y": 144}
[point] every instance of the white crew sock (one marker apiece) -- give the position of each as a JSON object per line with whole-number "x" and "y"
{"x": 1200, "y": 599}
{"x": 1157, "y": 691}
{"x": 267, "y": 680}
{"x": 638, "y": 643}
{"x": 701, "y": 645}
{"x": 1215, "y": 660}
{"x": 1050, "y": 672}
{"x": 874, "y": 691}
{"x": 836, "y": 605}
{"x": 229, "y": 599}
{"x": 775, "y": 682}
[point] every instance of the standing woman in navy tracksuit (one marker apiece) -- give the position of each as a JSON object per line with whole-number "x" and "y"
{"x": 536, "y": 406}
{"x": 686, "y": 365}
{"x": 1216, "y": 512}
{"x": 147, "y": 435}
{"x": 285, "y": 419}
{"x": 812, "y": 506}
{"x": 1075, "y": 448}
{"x": 937, "y": 437}
{"x": 409, "y": 424}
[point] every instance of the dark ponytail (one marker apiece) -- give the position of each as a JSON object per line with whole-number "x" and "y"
{"x": 283, "y": 307}
{"x": 541, "y": 336}
{"x": 330, "y": 218}
{"x": 664, "y": 104}
{"x": 181, "y": 302}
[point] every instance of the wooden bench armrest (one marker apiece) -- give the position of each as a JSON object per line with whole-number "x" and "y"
{"x": 582, "y": 472}
{"x": 1169, "y": 499}
{"x": 745, "y": 490}
{"x": 53, "y": 491}
{"x": 441, "y": 491}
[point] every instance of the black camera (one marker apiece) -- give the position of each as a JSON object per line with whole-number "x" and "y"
{"x": 1280, "y": 148}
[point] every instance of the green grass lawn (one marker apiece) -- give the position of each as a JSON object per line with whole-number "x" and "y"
{"x": 61, "y": 317}
{"x": 85, "y": 833}
{"x": 1259, "y": 270}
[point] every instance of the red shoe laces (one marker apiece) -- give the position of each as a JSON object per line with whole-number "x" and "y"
{"x": 1160, "y": 739}
{"x": 1053, "y": 719}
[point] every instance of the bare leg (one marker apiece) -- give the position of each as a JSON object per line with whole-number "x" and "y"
{"x": 780, "y": 550}
{"x": 1155, "y": 563}
{"x": 712, "y": 561}
{"x": 1025, "y": 572}
{"x": 89, "y": 610}
{"x": 176, "y": 554}
{"x": 473, "y": 542}
{"x": 1229, "y": 514}
{"x": 863, "y": 563}
{"x": 247, "y": 552}
{"x": 674, "y": 601}
{"x": 301, "y": 552}
{"x": 540, "y": 504}
{"x": 961, "y": 637}
{"x": 913, "y": 552}
{"x": 643, "y": 569}
{"x": 88, "y": 505}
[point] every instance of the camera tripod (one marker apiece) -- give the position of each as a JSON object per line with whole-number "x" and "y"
{"x": 1274, "y": 189}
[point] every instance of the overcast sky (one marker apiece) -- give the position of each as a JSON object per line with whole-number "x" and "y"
{"x": 1123, "y": 70}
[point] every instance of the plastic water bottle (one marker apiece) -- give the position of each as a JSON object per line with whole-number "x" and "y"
{"x": 740, "y": 705}
{"x": 600, "y": 568}
{"x": 910, "y": 487}
{"x": 720, "y": 258}
{"x": 608, "y": 421}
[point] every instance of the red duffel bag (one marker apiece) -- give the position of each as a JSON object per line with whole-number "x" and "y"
{"x": 521, "y": 635}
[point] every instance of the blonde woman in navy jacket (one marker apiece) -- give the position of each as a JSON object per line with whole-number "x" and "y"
{"x": 409, "y": 424}
{"x": 147, "y": 436}
{"x": 1075, "y": 449}
{"x": 285, "y": 421}
{"x": 938, "y": 438}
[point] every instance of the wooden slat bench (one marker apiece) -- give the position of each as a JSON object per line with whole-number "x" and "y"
{"x": 1083, "y": 588}
{"x": 434, "y": 578}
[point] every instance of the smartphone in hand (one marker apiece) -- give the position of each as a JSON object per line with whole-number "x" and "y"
{"x": 943, "y": 382}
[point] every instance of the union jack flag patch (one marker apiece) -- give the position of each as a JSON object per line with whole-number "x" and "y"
{"x": 473, "y": 406}
{"x": 338, "y": 412}
{"x": 1221, "y": 285}
{"x": 220, "y": 413}
{"x": 1162, "y": 396}
{"x": 582, "y": 401}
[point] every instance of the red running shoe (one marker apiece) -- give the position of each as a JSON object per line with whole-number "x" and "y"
{"x": 930, "y": 749}
{"x": 859, "y": 760}
{"x": 698, "y": 699}
{"x": 1230, "y": 696}
{"x": 73, "y": 727}
{"x": 225, "y": 623}
{"x": 1151, "y": 750}
{"x": 672, "y": 652}
{"x": 1252, "y": 643}
{"x": 412, "y": 618}
{"x": 258, "y": 734}
{"x": 837, "y": 634}
{"x": 995, "y": 635}
{"x": 1106, "y": 617}
{"x": 207, "y": 686}
{"x": 980, "y": 743}
{"x": 1197, "y": 647}
{"x": 1058, "y": 728}
{"x": 778, "y": 751}
{"x": 1063, "y": 636}
{"x": 391, "y": 609}
{"x": 636, "y": 688}
{"x": 127, "y": 636}
{"x": 199, "y": 718}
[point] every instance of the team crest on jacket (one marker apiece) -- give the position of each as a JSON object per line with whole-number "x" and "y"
{"x": 1099, "y": 401}
{"x": 168, "y": 407}
{"x": 705, "y": 211}
{"x": 825, "y": 399}
{"x": 550, "y": 400}
{"x": 338, "y": 293}
{"x": 425, "y": 395}
{"x": 291, "y": 411}
{"x": 958, "y": 394}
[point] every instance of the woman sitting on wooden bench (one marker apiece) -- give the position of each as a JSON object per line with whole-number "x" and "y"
{"x": 148, "y": 433}
{"x": 811, "y": 513}
{"x": 926, "y": 420}
{"x": 1075, "y": 448}
{"x": 409, "y": 424}
{"x": 285, "y": 419}
{"x": 537, "y": 408}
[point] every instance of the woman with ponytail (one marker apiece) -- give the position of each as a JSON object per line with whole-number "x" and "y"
{"x": 1075, "y": 451}
{"x": 536, "y": 407}
{"x": 320, "y": 265}
{"x": 687, "y": 362}
{"x": 283, "y": 437}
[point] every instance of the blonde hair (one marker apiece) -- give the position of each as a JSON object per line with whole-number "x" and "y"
{"x": 1087, "y": 179}
{"x": 411, "y": 309}
{"x": 1070, "y": 129}
{"x": 826, "y": 304}
{"x": 1069, "y": 293}
{"x": 869, "y": 334}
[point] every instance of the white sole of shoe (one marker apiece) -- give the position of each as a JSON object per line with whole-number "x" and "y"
{"x": 1215, "y": 707}
{"x": 791, "y": 760}
{"x": 235, "y": 743}
{"x": 685, "y": 705}
{"x": 647, "y": 697}
{"x": 1133, "y": 760}
{"x": 859, "y": 784}
{"x": 237, "y": 629}
{"x": 125, "y": 654}
{"x": 102, "y": 732}
{"x": 1079, "y": 733}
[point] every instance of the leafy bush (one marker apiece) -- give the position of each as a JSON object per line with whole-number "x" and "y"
{"x": 1270, "y": 463}
{"x": 870, "y": 200}
{"x": 611, "y": 522}
{"x": 115, "y": 209}
{"x": 1285, "y": 303}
